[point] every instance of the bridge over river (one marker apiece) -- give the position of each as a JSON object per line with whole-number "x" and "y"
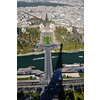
{"x": 48, "y": 62}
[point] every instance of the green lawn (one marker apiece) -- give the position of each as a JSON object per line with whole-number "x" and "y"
{"x": 72, "y": 43}
{"x": 47, "y": 40}
{"x": 44, "y": 38}
{"x": 72, "y": 48}
{"x": 50, "y": 39}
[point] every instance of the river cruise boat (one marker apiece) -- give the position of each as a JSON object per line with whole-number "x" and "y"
{"x": 43, "y": 58}
{"x": 71, "y": 65}
{"x": 80, "y": 56}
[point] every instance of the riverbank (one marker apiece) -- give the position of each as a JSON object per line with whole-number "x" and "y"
{"x": 35, "y": 53}
{"x": 32, "y": 53}
{"x": 73, "y": 51}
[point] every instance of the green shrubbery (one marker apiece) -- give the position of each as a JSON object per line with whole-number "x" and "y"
{"x": 28, "y": 94}
{"x": 82, "y": 76}
{"x": 69, "y": 95}
{"x": 65, "y": 77}
{"x": 25, "y": 51}
{"x": 73, "y": 43}
{"x": 74, "y": 95}
{"x": 72, "y": 48}
{"x": 79, "y": 94}
{"x": 26, "y": 78}
{"x": 40, "y": 50}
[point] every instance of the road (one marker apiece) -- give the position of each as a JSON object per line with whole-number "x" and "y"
{"x": 54, "y": 79}
{"x": 73, "y": 80}
{"x": 28, "y": 81}
{"x": 53, "y": 94}
{"x": 48, "y": 64}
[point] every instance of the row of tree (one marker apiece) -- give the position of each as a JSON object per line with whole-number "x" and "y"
{"x": 28, "y": 95}
{"x": 74, "y": 95}
{"x": 63, "y": 95}
{"x": 22, "y": 44}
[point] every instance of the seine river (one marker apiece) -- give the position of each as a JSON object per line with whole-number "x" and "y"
{"x": 64, "y": 58}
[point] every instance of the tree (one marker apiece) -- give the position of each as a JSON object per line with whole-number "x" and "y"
{"x": 82, "y": 76}
{"x": 21, "y": 46}
{"x": 80, "y": 93}
{"x": 73, "y": 30}
{"x": 68, "y": 32}
{"x": 25, "y": 45}
{"x": 69, "y": 95}
{"x": 35, "y": 46}
{"x": 18, "y": 43}
{"x": 36, "y": 95}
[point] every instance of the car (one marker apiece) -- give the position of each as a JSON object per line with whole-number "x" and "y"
{"x": 60, "y": 78}
{"x": 46, "y": 88}
{"x": 67, "y": 82}
{"x": 44, "y": 92}
{"x": 58, "y": 90}
{"x": 51, "y": 89}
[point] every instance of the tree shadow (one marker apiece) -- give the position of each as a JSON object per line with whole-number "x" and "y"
{"x": 55, "y": 89}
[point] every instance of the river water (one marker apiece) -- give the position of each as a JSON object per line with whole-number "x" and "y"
{"x": 64, "y": 58}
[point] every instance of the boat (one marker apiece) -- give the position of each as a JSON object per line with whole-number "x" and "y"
{"x": 71, "y": 65}
{"x": 31, "y": 66}
{"x": 38, "y": 58}
{"x": 35, "y": 58}
{"x": 54, "y": 56}
{"x": 82, "y": 64}
{"x": 80, "y": 56}
{"x": 37, "y": 53}
{"x": 43, "y": 58}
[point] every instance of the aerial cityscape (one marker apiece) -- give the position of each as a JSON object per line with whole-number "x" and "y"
{"x": 50, "y": 50}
